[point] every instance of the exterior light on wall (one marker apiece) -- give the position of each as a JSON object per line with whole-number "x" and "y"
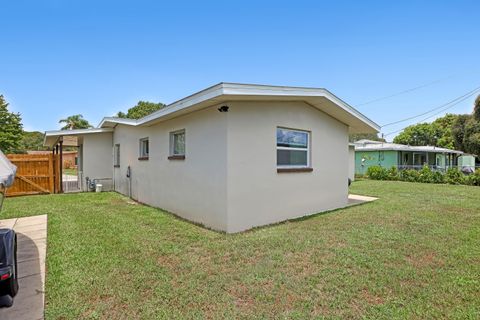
{"x": 223, "y": 109}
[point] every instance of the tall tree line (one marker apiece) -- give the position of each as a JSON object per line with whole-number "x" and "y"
{"x": 453, "y": 131}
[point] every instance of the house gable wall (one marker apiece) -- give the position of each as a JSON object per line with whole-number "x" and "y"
{"x": 257, "y": 193}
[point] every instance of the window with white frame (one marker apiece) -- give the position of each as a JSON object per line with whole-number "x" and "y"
{"x": 177, "y": 143}
{"x": 293, "y": 148}
{"x": 144, "y": 148}
{"x": 116, "y": 155}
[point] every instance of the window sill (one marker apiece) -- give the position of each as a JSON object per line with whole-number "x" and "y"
{"x": 176, "y": 158}
{"x": 282, "y": 170}
{"x": 142, "y": 158}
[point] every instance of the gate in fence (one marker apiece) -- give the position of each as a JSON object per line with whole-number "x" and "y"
{"x": 36, "y": 174}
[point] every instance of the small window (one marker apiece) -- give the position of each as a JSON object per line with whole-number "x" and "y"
{"x": 293, "y": 148}
{"x": 144, "y": 149}
{"x": 177, "y": 143}
{"x": 116, "y": 155}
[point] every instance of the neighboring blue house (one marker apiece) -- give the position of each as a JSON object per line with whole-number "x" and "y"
{"x": 373, "y": 153}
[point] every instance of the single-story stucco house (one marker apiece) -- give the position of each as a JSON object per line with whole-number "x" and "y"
{"x": 376, "y": 153}
{"x": 231, "y": 157}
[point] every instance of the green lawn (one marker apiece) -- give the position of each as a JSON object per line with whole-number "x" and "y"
{"x": 70, "y": 171}
{"x": 415, "y": 253}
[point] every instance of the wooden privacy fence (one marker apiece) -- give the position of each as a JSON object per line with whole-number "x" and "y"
{"x": 36, "y": 174}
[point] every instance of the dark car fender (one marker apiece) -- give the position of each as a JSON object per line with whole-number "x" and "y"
{"x": 7, "y": 247}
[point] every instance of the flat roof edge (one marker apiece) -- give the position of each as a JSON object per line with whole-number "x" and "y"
{"x": 229, "y": 88}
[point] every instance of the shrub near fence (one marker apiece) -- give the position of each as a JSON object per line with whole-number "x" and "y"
{"x": 425, "y": 175}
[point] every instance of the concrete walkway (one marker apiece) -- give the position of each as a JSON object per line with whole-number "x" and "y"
{"x": 354, "y": 199}
{"x": 31, "y": 254}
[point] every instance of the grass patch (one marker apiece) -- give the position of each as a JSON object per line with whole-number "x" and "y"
{"x": 414, "y": 253}
{"x": 70, "y": 171}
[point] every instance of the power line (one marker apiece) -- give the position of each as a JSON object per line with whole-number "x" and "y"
{"x": 454, "y": 101}
{"x": 463, "y": 98}
{"x": 403, "y": 92}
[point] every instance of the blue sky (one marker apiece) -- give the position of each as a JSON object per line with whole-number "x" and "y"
{"x": 59, "y": 58}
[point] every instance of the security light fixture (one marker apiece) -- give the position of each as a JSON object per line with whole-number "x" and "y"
{"x": 223, "y": 109}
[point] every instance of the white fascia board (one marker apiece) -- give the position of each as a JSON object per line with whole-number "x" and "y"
{"x": 265, "y": 90}
{"x": 75, "y": 132}
{"x": 201, "y": 96}
{"x": 236, "y": 89}
{"x": 204, "y": 95}
{"x": 351, "y": 110}
{"x": 60, "y": 133}
{"x": 114, "y": 121}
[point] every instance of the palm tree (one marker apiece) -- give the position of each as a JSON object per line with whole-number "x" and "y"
{"x": 75, "y": 122}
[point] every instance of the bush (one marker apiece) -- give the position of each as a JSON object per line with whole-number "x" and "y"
{"x": 438, "y": 177}
{"x": 393, "y": 173}
{"x": 410, "y": 175}
{"x": 473, "y": 179}
{"x": 425, "y": 175}
{"x": 476, "y": 178}
{"x": 377, "y": 173}
{"x": 454, "y": 176}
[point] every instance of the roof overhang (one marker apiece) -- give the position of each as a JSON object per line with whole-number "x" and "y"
{"x": 408, "y": 149}
{"x": 318, "y": 98}
{"x": 69, "y": 137}
{"x": 111, "y": 122}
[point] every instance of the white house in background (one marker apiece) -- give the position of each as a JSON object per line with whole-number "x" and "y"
{"x": 231, "y": 157}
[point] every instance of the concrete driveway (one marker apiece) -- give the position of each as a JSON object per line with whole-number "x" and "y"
{"x": 31, "y": 254}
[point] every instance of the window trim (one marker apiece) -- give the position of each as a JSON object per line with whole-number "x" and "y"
{"x": 172, "y": 154}
{"x": 142, "y": 155}
{"x": 294, "y": 168}
{"x": 116, "y": 155}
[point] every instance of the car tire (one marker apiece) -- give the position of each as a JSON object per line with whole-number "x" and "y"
{"x": 13, "y": 281}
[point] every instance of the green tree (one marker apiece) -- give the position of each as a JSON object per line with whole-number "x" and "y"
{"x": 141, "y": 109}
{"x": 32, "y": 141}
{"x": 458, "y": 131}
{"x": 476, "y": 109}
{"x": 438, "y": 133}
{"x": 421, "y": 134}
{"x": 10, "y": 128}
{"x": 471, "y": 138}
{"x": 466, "y": 130}
{"x": 359, "y": 136}
{"x": 443, "y": 127}
{"x": 75, "y": 122}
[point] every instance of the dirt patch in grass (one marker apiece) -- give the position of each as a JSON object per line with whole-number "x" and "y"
{"x": 169, "y": 261}
{"x": 426, "y": 260}
{"x": 241, "y": 296}
{"x": 371, "y": 298}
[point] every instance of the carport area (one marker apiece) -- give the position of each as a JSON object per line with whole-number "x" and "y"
{"x": 31, "y": 255}
{"x": 95, "y": 156}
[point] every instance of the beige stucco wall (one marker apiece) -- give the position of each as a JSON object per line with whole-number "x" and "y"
{"x": 229, "y": 179}
{"x": 257, "y": 194}
{"x": 194, "y": 188}
{"x": 351, "y": 162}
{"x": 97, "y": 158}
